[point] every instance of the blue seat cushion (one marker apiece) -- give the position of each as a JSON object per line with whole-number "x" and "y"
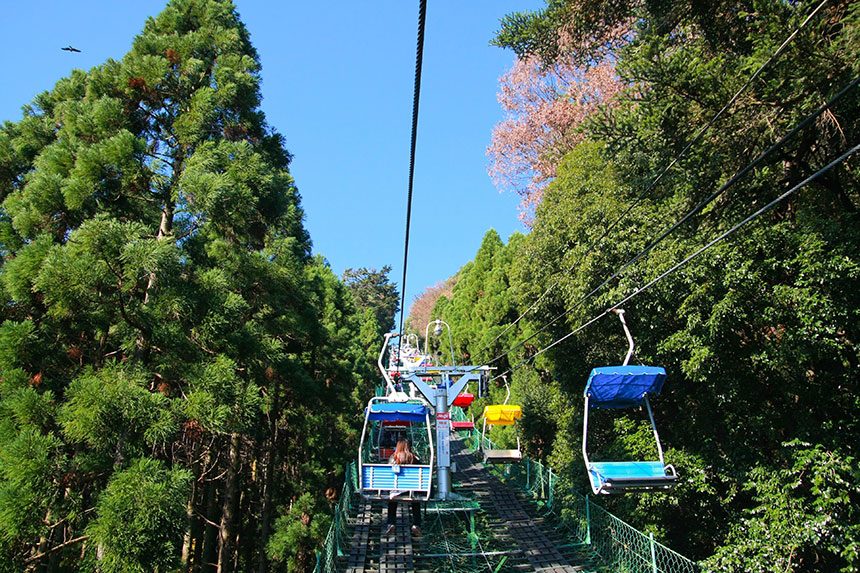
{"x": 619, "y": 473}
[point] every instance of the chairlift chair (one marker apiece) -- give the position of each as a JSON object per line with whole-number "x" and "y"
{"x": 462, "y": 401}
{"x": 381, "y": 480}
{"x": 462, "y": 425}
{"x": 618, "y": 387}
{"x": 501, "y": 415}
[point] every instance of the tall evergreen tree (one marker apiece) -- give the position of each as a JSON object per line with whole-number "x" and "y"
{"x": 372, "y": 289}
{"x": 165, "y": 329}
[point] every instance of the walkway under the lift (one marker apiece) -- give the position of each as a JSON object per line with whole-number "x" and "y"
{"x": 497, "y": 531}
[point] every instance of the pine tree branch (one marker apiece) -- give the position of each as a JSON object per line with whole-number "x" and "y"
{"x": 204, "y": 518}
{"x": 55, "y": 548}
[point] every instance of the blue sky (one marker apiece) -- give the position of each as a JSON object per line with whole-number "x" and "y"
{"x": 337, "y": 82}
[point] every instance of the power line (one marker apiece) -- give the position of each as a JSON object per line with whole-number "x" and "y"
{"x": 681, "y": 264}
{"x": 665, "y": 170}
{"x": 416, "y": 96}
{"x": 697, "y": 209}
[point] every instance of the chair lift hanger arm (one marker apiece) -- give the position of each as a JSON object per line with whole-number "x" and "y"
{"x": 388, "y": 382}
{"x": 631, "y": 345}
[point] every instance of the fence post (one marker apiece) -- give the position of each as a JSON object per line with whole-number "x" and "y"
{"x": 551, "y": 490}
{"x": 337, "y": 548}
{"x": 542, "y": 483}
{"x": 587, "y": 521}
{"x": 653, "y": 554}
{"x": 528, "y": 473}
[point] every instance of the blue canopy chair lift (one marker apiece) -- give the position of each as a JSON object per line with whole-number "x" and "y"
{"x": 377, "y": 478}
{"x": 618, "y": 387}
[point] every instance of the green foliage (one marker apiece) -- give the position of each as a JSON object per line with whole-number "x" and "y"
{"x": 532, "y": 32}
{"x": 372, "y": 289}
{"x": 112, "y": 412}
{"x": 30, "y": 467}
{"x": 590, "y": 27}
{"x": 16, "y": 340}
{"x": 481, "y": 301}
{"x": 759, "y": 412}
{"x": 298, "y": 533}
{"x": 140, "y": 519}
{"x": 160, "y": 304}
{"x": 804, "y": 516}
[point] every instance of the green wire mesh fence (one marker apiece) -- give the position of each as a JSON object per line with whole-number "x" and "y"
{"x": 336, "y": 542}
{"x": 629, "y": 550}
{"x": 619, "y": 546}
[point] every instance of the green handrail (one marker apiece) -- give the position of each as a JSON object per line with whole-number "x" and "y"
{"x": 336, "y": 542}
{"x": 619, "y": 546}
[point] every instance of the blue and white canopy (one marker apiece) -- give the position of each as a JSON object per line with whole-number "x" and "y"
{"x": 397, "y": 412}
{"x": 623, "y": 386}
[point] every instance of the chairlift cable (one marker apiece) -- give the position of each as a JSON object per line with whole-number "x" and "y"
{"x": 416, "y": 96}
{"x": 697, "y": 253}
{"x": 695, "y": 210}
{"x": 666, "y": 169}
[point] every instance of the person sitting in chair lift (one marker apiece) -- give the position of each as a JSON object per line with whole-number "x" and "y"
{"x": 403, "y": 455}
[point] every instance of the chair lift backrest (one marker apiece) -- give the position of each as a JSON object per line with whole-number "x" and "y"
{"x": 502, "y": 414}
{"x": 623, "y": 386}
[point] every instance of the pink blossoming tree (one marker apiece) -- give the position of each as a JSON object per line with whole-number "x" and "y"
{"x": 544, "y": 106}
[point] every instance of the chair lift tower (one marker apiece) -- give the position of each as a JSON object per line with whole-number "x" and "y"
{"x": 440, "y": 386}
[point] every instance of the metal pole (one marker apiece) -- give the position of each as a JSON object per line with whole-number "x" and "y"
{"x": 542, "y": 483}
{"x": 385, "y": 376}
{"x": 653, "y": 554}
{"x": 551, "y": 490}
{"x": 630, "y": 344}
{"x": 443, "y": 432}
{"x": 587, "y": 521}
{"x": 654, "y": 428}
{"x": 528, "y": 473}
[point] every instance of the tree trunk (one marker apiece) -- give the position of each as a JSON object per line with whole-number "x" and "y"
{"x": 268, "y": 482}
{"x": 164, "y": 230}
{"x": 210, "y": 537}
{"x": 42, "y": 548}
{"x": 188, "y": 539}
{"x": 192, "y": 526}
{"x": 227, "y": 531}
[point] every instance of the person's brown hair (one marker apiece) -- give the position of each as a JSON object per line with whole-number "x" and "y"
{"x": 402, "y": 454}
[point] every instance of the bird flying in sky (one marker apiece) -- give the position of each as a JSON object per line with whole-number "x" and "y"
{"x": 70, "y": 49}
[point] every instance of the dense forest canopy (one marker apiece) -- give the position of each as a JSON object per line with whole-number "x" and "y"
{"x": 758, "y": 335}
{"x": 174, "y": 364}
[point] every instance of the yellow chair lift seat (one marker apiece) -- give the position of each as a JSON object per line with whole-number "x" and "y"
{"x": 501, "y": 415}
